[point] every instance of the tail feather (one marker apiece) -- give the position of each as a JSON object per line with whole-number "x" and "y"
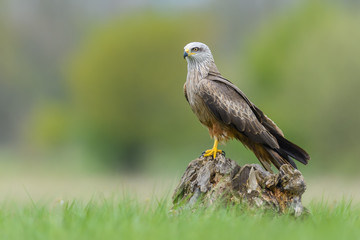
{"x": 287, "y": 157}
{"x": 292, "y": 150}
{"x": 288, "y": 148}
{"x": 286, "y": 152}
{"x": 278, "y": 158}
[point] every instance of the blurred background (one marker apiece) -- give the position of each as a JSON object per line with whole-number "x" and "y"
{"x": 91, "y": 92}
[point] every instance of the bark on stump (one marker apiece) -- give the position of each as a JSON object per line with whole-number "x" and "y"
{"x": 207, "y": 181}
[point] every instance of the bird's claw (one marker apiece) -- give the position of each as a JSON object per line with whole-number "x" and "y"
{"x": 212, "y": 152}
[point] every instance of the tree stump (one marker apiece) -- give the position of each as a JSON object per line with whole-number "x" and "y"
{"x": 207, "y": 180}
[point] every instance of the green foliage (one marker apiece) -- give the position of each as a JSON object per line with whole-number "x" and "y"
{"x": 126, "y": 82}
{"x": 125, "y": 85}
{"x": 278, "y": 41}
{"x": 306, "y": 68}
{"x": 130, "y": 219}
{"x": 49, "y": 126}
{"x": 128, "y": 77}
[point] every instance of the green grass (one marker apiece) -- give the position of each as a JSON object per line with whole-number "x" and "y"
{"x": 129, "y": 219}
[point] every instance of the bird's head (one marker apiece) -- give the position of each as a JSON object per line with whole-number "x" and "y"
{"x": 197, "y": 52}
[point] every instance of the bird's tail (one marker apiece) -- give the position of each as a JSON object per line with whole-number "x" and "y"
{"x": 286, "y": 153}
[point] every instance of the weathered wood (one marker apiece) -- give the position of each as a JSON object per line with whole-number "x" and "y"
{"x": 207, "y": 180}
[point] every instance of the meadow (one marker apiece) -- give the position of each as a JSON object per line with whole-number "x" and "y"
{"x": 129, "y": 218}
{"x": 49, "y": 204}
{"x": 92, "y": 102}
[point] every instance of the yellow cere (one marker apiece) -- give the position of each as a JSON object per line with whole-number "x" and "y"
{"x": 188, "y": 52}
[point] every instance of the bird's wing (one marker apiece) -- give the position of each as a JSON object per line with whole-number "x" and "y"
{"x": 233, "y": 109}
{"x": 265, "y": 120}
{"x": 185, "y": 93}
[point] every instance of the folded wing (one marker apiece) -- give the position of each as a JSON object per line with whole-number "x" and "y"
{"x": 231, "y": 108}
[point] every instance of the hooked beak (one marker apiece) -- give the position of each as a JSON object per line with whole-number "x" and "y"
{"x": 186, "y": 53}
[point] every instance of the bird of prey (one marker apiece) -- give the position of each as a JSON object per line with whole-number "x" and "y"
{"x": 225, "y": 110}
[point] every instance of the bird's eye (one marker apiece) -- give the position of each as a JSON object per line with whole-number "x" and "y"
{"x": 195, "y": 49}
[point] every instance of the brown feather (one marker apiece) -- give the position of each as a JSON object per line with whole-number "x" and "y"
{"x": 228, "y": 113}
{"x": 227, "y": 106}
{"x": 185, "y": 93}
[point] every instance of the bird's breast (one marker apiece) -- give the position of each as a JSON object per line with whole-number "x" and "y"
{"x": 197, "y": 104}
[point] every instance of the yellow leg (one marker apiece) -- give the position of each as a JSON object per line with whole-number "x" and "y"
{"x": 214, "y": 150}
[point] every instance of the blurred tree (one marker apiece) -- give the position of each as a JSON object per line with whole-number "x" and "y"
{"x": 49, "y": 126}
{"x": 35, "y": 36}
{"x": 126, "y": 83}
{"x": 306, "y": 66}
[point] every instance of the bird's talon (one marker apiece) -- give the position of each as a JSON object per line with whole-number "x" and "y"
{"x": 212, "y": 152}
